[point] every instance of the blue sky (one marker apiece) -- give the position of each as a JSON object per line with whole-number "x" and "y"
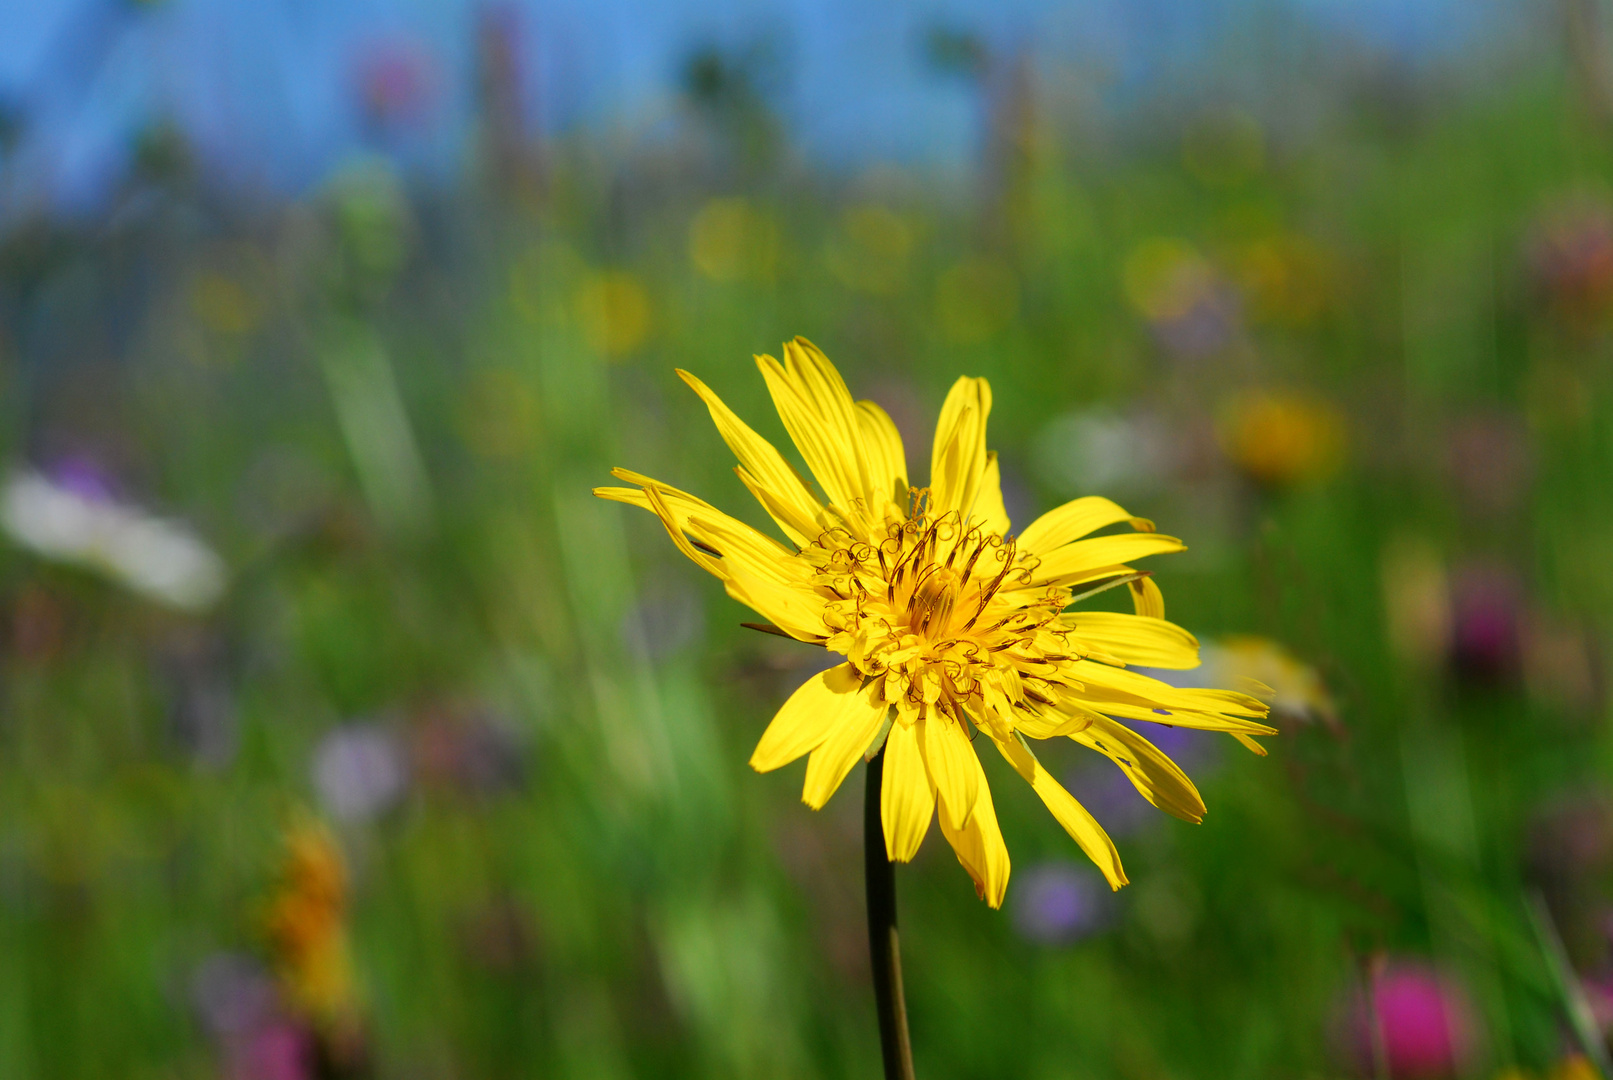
{"x": 265, "y": 88}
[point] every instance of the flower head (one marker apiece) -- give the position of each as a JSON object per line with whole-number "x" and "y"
{"x": 307, "y": 925}
{"x": 950, "y": 625}
{"x": 1424, "y": 1021}
{"x": 1292, "y": 688}
{"x": 1281, "y": 440}
{"x": 74, "y": 518}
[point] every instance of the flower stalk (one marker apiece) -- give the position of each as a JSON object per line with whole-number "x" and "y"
{"x": 884, "y": 947}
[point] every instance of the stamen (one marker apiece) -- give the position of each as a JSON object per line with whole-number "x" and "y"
{"x": 969, "y": 566}
{"x": 985, "y": 597}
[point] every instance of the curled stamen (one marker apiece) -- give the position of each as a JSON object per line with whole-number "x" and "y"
{"x": 991, "y": 590}
{"x": 969, "y": 566}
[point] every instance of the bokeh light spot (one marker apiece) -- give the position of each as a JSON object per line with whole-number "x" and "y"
{"x": 613, "y": 312}
{"x": 732, "y": 240}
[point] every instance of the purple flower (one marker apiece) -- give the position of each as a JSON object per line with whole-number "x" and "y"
{"x": 1057, "y": 903}
{"x": 232, "y": 994}
{"x": 83, "y": 476}
{"x": 1208, "y": 325}
{"x": 1486, "y": 625}
{"x": 359, "y": 771}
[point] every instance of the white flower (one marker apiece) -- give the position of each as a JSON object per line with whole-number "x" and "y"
{"x": 159, "y": 559}
{"x": 1099, "y": 450}
{"x": 360, "y": 771}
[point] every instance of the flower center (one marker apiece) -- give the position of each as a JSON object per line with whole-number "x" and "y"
{"x": 925, "y": 606}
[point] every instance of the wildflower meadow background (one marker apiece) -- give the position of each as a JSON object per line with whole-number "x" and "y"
{"x": 344, "y": 733}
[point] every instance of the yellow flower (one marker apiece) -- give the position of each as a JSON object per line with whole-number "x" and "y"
{"x": 307, "y": 924}
{"x": 1575, "y": 1067}
{"x": 949, "y": 624}
{"x": 1282, "y": 439}
{"x": 1293, "y": 688}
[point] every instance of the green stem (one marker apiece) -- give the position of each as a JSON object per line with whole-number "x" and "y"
{"x": 879, "y": 874}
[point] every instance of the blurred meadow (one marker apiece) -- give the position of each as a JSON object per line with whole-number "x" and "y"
{"x": 344, "y": 733}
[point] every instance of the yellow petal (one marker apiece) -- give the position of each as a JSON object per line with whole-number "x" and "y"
{"x": 658, "y": 505}
{"x": 758, "y": 571}
{"x": 812, "y": 713}
{"x": 1151, "y": 771}
{"x": 738, "y": 543}
{"x": 979, "y": 847}
{"x": 953, "y": 767}
{"x": 821, "y": 418}
{"x": 1112, "y": 690}
{"x": 778, "y": 509}
{"x": 1183, "y": 718}
{"x": 989, "y": 509}
{"x": 853, "y": 728}
{"x": 1082, "y": 827}
{"x": 822, "y": 385}
{"x": 1249, "y": 743}
{"x": 1147, "y": 599}
{"x": 1074, "y": 520}
{"x": 790, "y": 503}
{"x": 797, "y": 613}
{"x": 1065, "y": 718}
{"x": 1067, "y": 564}
{"x": 887, "y": 461}
{"x": 685, "y": 507}
{"x": 1135, "y": 639}
{"x": 958, "y": 460}
{"x": 907, "y": 795}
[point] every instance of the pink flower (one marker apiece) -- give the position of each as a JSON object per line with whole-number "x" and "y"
{"x": 279, "y": 1050}
{"x": 1424, "y": 1022}
{"x": 397, "y": 82}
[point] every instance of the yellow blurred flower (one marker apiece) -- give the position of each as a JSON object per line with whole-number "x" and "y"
{"x": 1287, "y": 279}
{"x": 1295, "y": 689}
{"x": 1165, "y": 278}
{"x": 1575, "y": 1067}
{"x": 976, "y": 299}
{"x": 613, "y": 312}
{"x": 732, "y": 240}
{"x": 1282, "y": 439}
{"x": 951, "y": 626}
{"x": 870, "y": 250}
{"x": 306, "y": 924}
{"x": 223, "y": 303}
{"x": 1416, "y": 597}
